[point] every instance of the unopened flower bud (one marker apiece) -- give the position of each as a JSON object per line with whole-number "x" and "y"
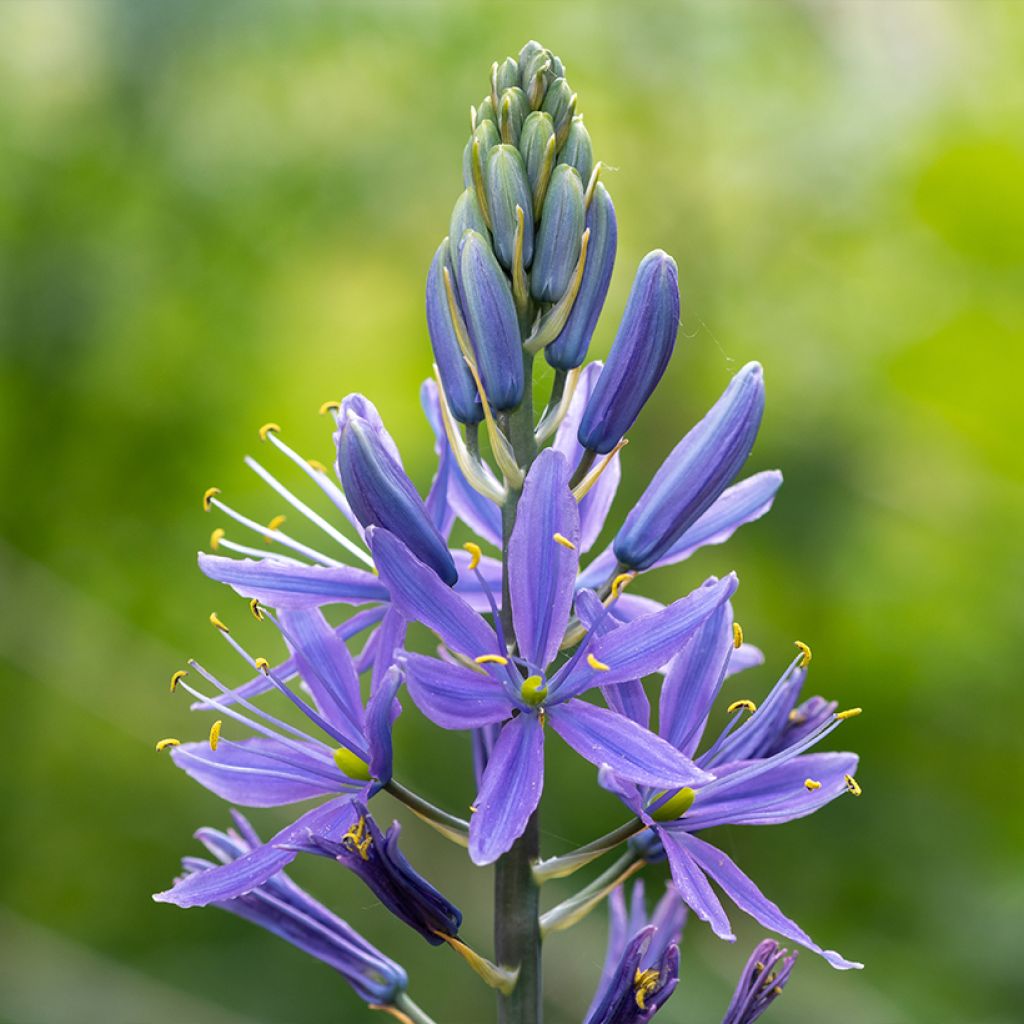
{"x": 560, "y": 102}
{"x": 695, "y": 473}
{"x": 506, "y": 76}
{"x": 451, "y": 364}
{"x": 578, "y": 150}
{"x": 491, "y": 320}
{"x": 558, "y": 240}
{"x": 639, "y": 355}
{"x": 466, "y": 216}
{"x": 569, "y": 349}
{"x": 535, "y": 71}
{"x": 486, "y": 136}
{"x": 537, "y": 145}
{"x": 381, "y": 494}
{"x": 512, "y": 111}
{"x": 486, "y": 112}
{"x": 507, "y": 187}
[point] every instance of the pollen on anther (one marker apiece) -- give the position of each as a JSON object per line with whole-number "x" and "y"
{"x": 262, "y": 664}
{"x": 275, "y": 524}
{"x": 852, "y": 785}
{"x": 622, "y": 581}
{"x": 215, "y": 621}
{"x": 475, "y": 554}
{"x": 215, "y": 733}
{"x": 491, "y": 659}
{"x": 849, "y": 713}
{"x": 797, "y": 717}
{"x": 329, "y": 406}
{"x": 318, "y": 466}
{"x": 256, "y": 609}
{"x": 560, "y": 538}
{"x": 737, "y": 635}
{"x": 741, "y": 705}
{"x": 267, "y": 428}
{"x": 805, "y": 650}
{"x": 208, "y": 494}
{"x": 811, "y": 785}
{"x": 597, "y": 666}
{"x": 216, "y": 537}
{"x": 169, "y": 742}
{"x": 176, "y": 678}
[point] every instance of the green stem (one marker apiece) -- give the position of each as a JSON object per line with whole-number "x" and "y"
{"x": 425, "y": 809}
{"x": 566, "y": 864}
{"x": 575, "y": 908}
{"x": 583, "y": 468}
{"x": 412, "y": 1011}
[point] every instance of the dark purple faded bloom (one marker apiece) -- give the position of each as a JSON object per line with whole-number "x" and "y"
{"x": 512, "y": 688}
{"x": 377, "y": 860}
{"x": 277, "y": 904}
{"x": 761, "y": 983}
{"x": 639, "y": 354}
{"x": 641, "y": 967}
{"x": 378, "y": 489}
{"x": 695, "y": 473}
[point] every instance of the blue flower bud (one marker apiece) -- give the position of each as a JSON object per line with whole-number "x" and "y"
{"x": 381, "y": 494}
{"x": 535, "y": 71}
{"x": 578, "y": 150}
{"x": 569, "y": 349}
{"x": 491, "y": 320}
{"x": 512, "y": 110}
{"x": 558, "y": 239}
{"x": 458, "y": 381}
{"x": 639, "y": 355}
{"x": 486, "y": 134}
{"x": 506, "y": 75}
{"x": 695, "y": 473}
{"x": 560, "y": 103}
{"x": 537, "y": 144}
{"x": 507, "y": 187}
{"x": 486, "y": 112}
{"x": 466, "y": 216}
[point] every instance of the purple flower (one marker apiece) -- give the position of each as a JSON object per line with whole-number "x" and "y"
{"x": 641, "y": 966}
{"x": 505, "y": 679}
{"x": 377, "y": 860}
{"x": 748, "y": 785}
{"x": 760, "y": 984}
{"x": 277, "y": 904}
{"x": 695, "y": 473}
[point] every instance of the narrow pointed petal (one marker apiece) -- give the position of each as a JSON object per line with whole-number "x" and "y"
{"x": 692, "y": 885}
{"x": 693, "y": 681}
{"x": 511, "y": 788}
{"x": 744, "y": 657}
{"x": 630, "y": 700}
{"x": 454, "y": 697}
{"x": 228, "y": 881}
{"x": 438, "y": 505}
{"x": 541, "y": 569}
{"x": 628, "y": 792}
{"x": 471, "y": 588}
{"x": 287, "y": 585}
{"x": 419, "y": 594}
{"x": 742, "y": 891}
{"x": 606, "y": 738}
{"x": 381, "y": 711}
{"x": 260, "y": 772}
{"x": 695, "y": 473}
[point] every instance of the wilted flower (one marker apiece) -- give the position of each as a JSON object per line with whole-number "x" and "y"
{"x": 761, "y": 983}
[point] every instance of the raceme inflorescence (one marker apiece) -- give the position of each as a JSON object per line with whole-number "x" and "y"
{"x": 541, "y": 635}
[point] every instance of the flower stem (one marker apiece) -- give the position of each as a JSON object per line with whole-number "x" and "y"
{"x": 561, "y": 867}
{"x": 412, "y": 1011}
{"x": 447, "y": 824}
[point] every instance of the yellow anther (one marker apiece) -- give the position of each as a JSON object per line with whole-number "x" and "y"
{"x": 169, "y": 742}
{"x": 622, "y": 581}
{"x": 359, "y": 839}
{"x": 351, "y": 765}
{"x": 327, "y": 407}
{"x": 318, "y": 466}
{"x": 811, "y": 785}
{"x": 491, "y": 659}
{"x": 267, "y": 428}
{"x": 216, "y": 537}
{"x": 274, "y": 525}
{"x": 256, "y": 609}
{"x": 597, "y": 666}
{"x": 215, "y": 734}
{"x": 849, "y": 713}
{"x": 805, "y": 650}
{"x": 797, "y": 717}
{"x": 475, "y": 554}
{"x": 560, "y": 538}
{"x": 262, "y": 664}
{"x": 644, "y": 983}
{"x": 737, "y": 635}
{"x": 533, "y": 690}
{"x": 741, "y": 705}
{"x": 852, "y": 785}
{"x": 214, "y": 620}
{"x": 208, "y": 495}
{"x": 176, "y": 678}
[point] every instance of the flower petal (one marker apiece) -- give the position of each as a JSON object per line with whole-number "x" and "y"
{"x": 510, "y": 791}
{"x": 606, "y": 738}
{"x": 288, "y": 585}
{"x": 470, "y": 586}
{"x": 693, "y": 886}
{"x": 381, "y": 711}
{"x": 454, "y": 697}
{"x": 541, "y": 569}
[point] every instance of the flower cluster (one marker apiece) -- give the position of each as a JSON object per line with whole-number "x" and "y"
{"x": 537, "y": 633}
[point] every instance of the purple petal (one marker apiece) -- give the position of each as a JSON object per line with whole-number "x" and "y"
{"x": 511, "y": 788}
{"x": 438, "y": 506}
{"x": 541, "y": 569}
{"x": 287, "y": 585}
{"x": 692, "y": 884}
{"x": 381, "y": 712}
{"x": 419, "y": 594}
{"x": 742, "y": 891}
{"x": 744, "y": 657}
{"x": 470, "y": 586}
{"x": 628, "y": 792}
{"x": 454, "y": 697}
{"x": 606, "y": 738}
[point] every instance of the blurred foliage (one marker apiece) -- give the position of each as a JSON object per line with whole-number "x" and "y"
{"x": 212, "y": 215}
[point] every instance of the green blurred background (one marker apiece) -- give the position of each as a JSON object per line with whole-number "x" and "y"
{"x": 212, "y": 215}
